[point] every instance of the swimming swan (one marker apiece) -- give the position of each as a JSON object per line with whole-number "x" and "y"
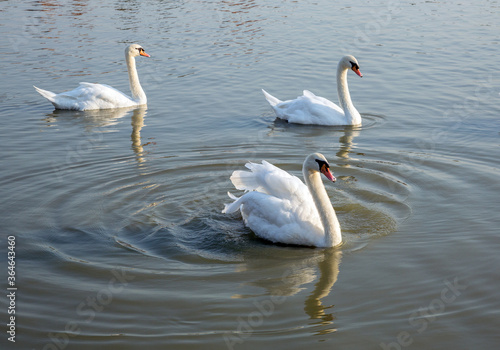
{"x": 89, "y": 96}
{"x": 279, "y": 207}
{"x": 312, "y": 109}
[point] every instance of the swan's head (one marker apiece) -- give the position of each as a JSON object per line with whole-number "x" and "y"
{"x": 350, "y": 62}
{"x": 135, "y": 50}
{"x": 317, "y": 162}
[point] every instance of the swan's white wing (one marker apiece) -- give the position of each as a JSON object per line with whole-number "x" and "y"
{"x": 322, "y": 101}
{"x": 98, "y": 96}
{"x": 267, "y": 178}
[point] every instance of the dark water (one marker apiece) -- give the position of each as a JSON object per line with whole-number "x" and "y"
{"x": 119, "y": 238}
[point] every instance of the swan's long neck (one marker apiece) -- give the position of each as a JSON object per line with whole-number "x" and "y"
{"x": 138, "y": 94}
{"x": 352, "y": 115}
{"x": 333, "y": 235}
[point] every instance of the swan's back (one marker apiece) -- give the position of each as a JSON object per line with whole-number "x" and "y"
{"x": 269, "y": 179}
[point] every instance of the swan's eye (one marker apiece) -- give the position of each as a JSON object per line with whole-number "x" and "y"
{"x": 354, "y": 66}
{"x": 322, "y": 163}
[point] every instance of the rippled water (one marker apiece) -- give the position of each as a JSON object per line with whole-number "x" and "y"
{"x": 120, "y": 240}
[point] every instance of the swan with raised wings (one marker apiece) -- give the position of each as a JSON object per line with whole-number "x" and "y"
{"x": 312, "y": 109}
{"x": 90, "y": 96}
{"x": 279, "y": 207}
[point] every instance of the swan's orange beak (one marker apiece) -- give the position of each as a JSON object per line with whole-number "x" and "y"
{"x": 143, "y": 53}
{"x": 326, "y": 171}
{"x": 356, "y": 70}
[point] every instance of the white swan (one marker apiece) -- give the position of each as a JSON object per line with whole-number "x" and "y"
{"x": 312, "y": 109}
{"x": 280, "y": 208}
{"x": 89, "y": 96}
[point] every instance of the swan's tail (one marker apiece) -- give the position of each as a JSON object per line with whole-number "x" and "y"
{"x": 49, "y": 95}
{"x": 232, "y": 207}
{"x": 273, "y": 101}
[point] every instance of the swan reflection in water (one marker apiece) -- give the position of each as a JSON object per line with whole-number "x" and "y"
{"x": 92, "y": 120}
{"x": 95, "y": 120}
{"x": 328, "y": 273}
{"x": 97, "y": 123}
{"x": 346, "y": 139}
{"x": 137, "y": 125}
{"x": 346, "y": 143}
{"x": 321, "y": 266}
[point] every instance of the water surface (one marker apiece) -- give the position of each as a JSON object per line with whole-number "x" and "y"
{"x": 121, "y": 243}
